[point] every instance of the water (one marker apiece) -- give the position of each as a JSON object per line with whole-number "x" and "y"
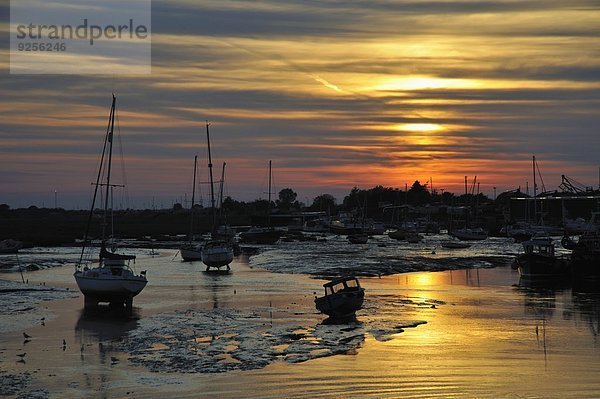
{"x": 475, "y": 332}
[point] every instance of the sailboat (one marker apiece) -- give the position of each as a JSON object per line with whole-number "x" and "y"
{"x": 215, "y": 253}
{"x": 113, "y": 280}
{"x": 263, "y": 235}
{"x": 192, "y": 252}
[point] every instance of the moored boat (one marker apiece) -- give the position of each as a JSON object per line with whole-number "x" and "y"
{"x": 215, "y": 253}
{"x": 470, "y": 234}
{"x": 540, "y": 261}
{"x": 114, "y": 280}
{"x": 343, "y": 297}
{"x": 359, "y": 238}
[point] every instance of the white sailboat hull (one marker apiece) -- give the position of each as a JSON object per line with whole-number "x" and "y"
{"x": 217, "y": 255}
{"x": 99, "y": 283}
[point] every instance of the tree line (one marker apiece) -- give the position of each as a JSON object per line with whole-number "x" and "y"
{"x": 369, "y": 201}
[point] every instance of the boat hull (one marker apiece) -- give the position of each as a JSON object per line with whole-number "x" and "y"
{"x": 342, "y": 304}
{"x": 537, "y": 266}
{"x": 105, "y": 287}
{"x": 217, "y": 256}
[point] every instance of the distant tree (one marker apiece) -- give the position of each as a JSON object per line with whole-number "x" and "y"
{"x": 418, "y": 194}
{"x": 177, "y": 206}
{"x": 33, "y": 207}
{"x": 324, "y": 202}
{"x": 447, "y": 198}
{"x": 369, "y": 202}
{"x": 258, "y": 206}
{"x": 287, "y": 197}
{"x": 231, "y": 205}
{"x": 353, "y": 200}
{"x": 4, "y": 207}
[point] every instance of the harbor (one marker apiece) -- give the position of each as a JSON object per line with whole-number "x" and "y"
{"x": 283, "y": 199}
{"x": 465, "y": 331}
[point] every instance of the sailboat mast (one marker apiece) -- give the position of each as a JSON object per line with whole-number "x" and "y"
{"x": 269, "y": 209}
{"x": 193, "y": 199}
{"x": 534, "y": 193}
{"x": 212, "y": 189}
{"x": 221, "y": 187}
{"x": 96, "y": 185}
{"x": 110, "y": 146}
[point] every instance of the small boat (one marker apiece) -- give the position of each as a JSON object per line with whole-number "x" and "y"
{"x": 360, "y": 238}
{"x": 539, "y": 260}
{"x": 113, "y": 280}
{"x": 343, "y": 297}
{"x": 455, "y": 244}
{"x": 473, "y": 234}
{"x": 346, "y": 225}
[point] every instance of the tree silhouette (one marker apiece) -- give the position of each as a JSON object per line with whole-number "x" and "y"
{"x": 287, "y": 197}
{"x": 324, "y": 202}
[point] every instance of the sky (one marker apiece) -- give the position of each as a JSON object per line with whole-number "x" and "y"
{"x": 336, "y": 93}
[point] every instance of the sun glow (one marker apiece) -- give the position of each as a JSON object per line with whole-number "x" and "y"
{"x": 419, "y": 127}
{"x": 423, "y": 279}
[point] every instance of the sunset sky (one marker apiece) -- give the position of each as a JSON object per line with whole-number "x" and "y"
{"x": 337, "y": 93}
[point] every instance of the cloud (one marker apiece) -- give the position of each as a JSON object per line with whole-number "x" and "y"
{"x": 321, "y": 87}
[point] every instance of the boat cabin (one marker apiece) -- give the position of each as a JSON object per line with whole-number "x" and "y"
{"x": 540, "y": 246}
{"x": 346, "y": 284}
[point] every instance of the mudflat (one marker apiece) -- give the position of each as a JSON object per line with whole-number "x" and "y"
{"x": 256, "y": 334}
